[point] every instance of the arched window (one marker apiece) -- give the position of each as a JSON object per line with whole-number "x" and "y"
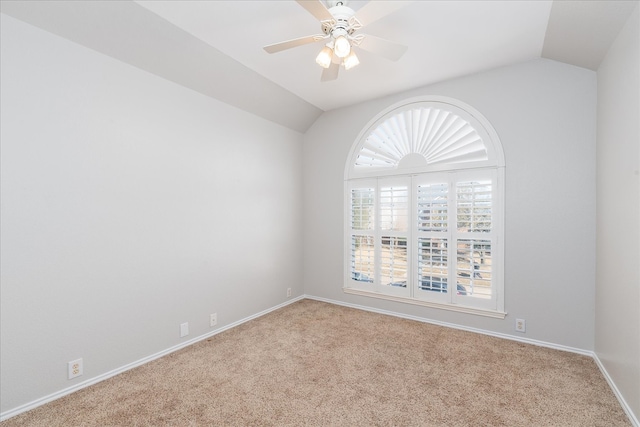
{"x": 424, "y": 215}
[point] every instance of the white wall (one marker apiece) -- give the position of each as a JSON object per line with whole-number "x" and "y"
{"x": 544, "y": 112}
{"x": 128, "y": 205}
{"x": 617, "y": 331}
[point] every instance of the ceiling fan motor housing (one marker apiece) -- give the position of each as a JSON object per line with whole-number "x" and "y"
{"x": 344, "y": 22}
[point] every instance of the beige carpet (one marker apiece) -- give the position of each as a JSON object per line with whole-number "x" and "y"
{"x": 317, "y": 364}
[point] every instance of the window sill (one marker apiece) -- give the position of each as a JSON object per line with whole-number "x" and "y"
{"x": 450, "y": 307}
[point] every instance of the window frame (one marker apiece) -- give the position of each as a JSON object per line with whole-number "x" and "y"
{"x": 492, "y": 167}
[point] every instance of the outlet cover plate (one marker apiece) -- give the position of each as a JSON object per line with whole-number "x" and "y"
{"x": 74, "y": 368}
{"x": 184, "y": 329}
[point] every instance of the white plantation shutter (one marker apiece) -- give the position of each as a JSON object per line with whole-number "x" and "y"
{"x": 424, "y": 219}
{"x": 474, "y": 205}
{"x": 432, "y": 233}
{"x": 473, "y": 268}
{"x": 362, "y": 232}
{"x": 393, "y": 262}
{"x": 362, "y": 208}
{"x": 362, "y": 258}
{"x": 440, "y": 136}
{"x": 433, "y": 261}
{"x": 433, "y": 207}
{"x": 394, "y": 208}
{"x": 475, "y": 237}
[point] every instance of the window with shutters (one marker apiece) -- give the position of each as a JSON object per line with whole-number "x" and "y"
{"x": 424, "y": 218}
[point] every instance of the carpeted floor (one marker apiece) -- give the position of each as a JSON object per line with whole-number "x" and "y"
{"x": 318, "y": 364}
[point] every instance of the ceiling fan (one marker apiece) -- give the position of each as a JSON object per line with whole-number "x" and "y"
{"x": 339, "y": 26}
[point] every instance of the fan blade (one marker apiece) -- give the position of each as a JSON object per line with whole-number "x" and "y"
{"x": 316, "y": 8}
{"x": 330, "y": 73}
{"x": 277, "y": 47}
{"x": 375, "y": 10}
{"x": 385, "y": 48}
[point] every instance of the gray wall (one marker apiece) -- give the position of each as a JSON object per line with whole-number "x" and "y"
{"x": 617, "y": 333}
{"x": 128, "y": 205}
{"x": 544, "y": 113}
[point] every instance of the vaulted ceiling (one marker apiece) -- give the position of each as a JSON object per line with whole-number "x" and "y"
{"x": 216, "y": 47}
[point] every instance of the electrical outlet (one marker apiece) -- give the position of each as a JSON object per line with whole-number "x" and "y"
{"x": 184, "y": 329}
{"x": 213, "y": 319}
{"x": 288, "y": 292}
{"x": 74, "y": 368}
{"x": 521, "y": 326}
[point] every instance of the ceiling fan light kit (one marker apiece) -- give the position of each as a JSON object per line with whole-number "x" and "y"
{"x": 341, "y": 47}
{"x": 339, "y": 24}
{"x": 351, "y": 61}
{"x": 324, "y": 57}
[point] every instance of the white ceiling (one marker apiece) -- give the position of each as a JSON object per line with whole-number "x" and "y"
{"x": 445, "y": 39}
{"x": 215, "y": 47}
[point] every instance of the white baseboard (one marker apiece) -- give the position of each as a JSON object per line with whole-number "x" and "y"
{"x": 623, "y": 402}
{"x": 616, "y": 392}
{"x": 454, "y": 326}
{"x": 57, "y": 395}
